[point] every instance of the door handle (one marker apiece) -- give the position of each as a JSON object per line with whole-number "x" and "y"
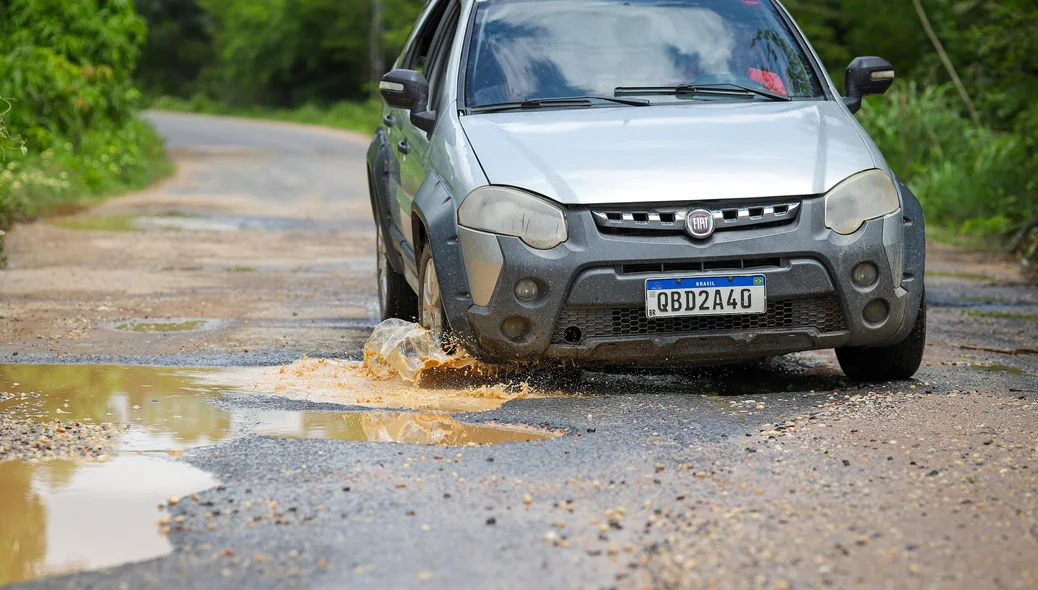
{"x": 388, "y": 120}
{"x": 402, "y": 146}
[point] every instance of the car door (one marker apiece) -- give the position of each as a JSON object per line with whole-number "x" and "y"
{"x": 414, "y": 57}
{"x": 413, "y": 148}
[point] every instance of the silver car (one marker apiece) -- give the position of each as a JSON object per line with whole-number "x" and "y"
{"x": 641, "y": 182}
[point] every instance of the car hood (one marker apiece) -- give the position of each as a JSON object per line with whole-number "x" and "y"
{"x": 662, "y": 153}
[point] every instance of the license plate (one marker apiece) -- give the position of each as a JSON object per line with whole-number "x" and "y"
{"x": 693, "y": 296}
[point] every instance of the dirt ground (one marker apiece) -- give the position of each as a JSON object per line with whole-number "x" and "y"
{"x": 260, "y": 251}
{"x": 286, "y": 276}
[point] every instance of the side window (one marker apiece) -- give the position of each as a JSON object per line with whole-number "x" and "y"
{"x": 437, "y": 64}
{"x": 418, "y": 55}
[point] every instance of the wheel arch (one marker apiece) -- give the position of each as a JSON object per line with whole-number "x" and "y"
{"x": 914, "y": 270}
{"x": 434, "y": 223}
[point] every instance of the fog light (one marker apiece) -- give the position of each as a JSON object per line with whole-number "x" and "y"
{"x": 526, "y": 289}
{"x": 864, "y": 274}
{"x": 875, "y": 311}
{"x": 514, "y": 327}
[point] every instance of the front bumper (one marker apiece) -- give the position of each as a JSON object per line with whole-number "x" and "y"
{"x": 590, "y": 309}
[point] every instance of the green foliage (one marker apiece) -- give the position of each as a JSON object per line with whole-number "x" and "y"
{"x": 68, "y": 66}
{"x": 290, "y": 52}
{"x": 179, "y": 47}
{"x": 107, "y": 160}
{"x": 968, "y": 178}
{"x": 273, "y": 53}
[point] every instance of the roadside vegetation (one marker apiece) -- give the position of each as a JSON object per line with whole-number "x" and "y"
{"x": 353, "y": 116}
{"x": 69, "y": 130}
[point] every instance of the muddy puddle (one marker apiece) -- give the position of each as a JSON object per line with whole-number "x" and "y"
{"x": 168, "y": 410}
{"x": 59, "y": 516}
{"x": 87, "y": 452}
{"x": 1000, "y": 368}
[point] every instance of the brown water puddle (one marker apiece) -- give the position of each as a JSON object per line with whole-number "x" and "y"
{"x": 170, "y": 410}
{"x": 60, "y": 516}
{"x": 399, "y": 427}
{"x": 71, "y": 506}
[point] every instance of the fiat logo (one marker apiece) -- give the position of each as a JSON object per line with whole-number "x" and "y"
{"x": 699, "y": 223}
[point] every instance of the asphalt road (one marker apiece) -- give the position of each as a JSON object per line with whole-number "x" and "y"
{"x": 778, "y": 474}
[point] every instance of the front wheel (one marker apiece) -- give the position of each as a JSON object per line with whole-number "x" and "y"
{"x": 430, "y": 301}
{"x": 889, "y": 363}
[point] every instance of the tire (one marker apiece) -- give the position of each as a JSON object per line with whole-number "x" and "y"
{"x": 395, "y": 297}
{"x": 889, "y": 363}
{"x": 429, "y": 309}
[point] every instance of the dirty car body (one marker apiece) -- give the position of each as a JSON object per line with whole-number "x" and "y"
{"x": 641, "y": 183}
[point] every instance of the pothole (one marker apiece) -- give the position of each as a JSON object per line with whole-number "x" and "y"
{"x": 162, "y": 326}
{"x": 61, "y": 516}
{"x": 1000, "y": 368}
{"x": 88, "y": 448}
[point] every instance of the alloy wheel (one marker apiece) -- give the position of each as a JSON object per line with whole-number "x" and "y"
{"x": 432, "y": 307}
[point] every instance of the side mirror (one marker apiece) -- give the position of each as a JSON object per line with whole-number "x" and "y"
{"x": 865, "y": 76}
{"x": 408, "y": 89}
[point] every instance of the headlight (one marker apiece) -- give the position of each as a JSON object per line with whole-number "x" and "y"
{"x": 861, "y": 197}
{"x": 511, "y": 212}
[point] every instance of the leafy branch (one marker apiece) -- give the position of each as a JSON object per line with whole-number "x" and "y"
{"x": 7, "y": 142}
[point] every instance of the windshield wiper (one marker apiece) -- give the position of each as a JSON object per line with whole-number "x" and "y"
{"x": 566, "y": 101}
{"x": 721, "y": 89}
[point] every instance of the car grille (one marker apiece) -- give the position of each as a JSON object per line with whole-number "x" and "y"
{"x": 821, "y": 313}
{"x": 671, "y": 220}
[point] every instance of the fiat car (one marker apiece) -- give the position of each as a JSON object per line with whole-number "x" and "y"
{"x": 641, "y": 182}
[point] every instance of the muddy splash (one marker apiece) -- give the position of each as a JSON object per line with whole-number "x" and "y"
{"x": 405, "y": 349}
{"x": 404, "y": 367}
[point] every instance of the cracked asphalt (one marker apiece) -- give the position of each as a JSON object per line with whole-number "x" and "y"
{"x": 777, "y": 474}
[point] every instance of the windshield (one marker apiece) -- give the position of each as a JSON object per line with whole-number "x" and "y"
{"x": 542, "y": 49}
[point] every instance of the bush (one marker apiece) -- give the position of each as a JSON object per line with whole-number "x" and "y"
{"x": 69, "y": 64}
{"x": 68, "y": 67}
{"x": 968, "y": 177}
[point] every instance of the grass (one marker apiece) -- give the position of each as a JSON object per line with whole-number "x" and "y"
{"x": 98, "y": 223}
{"x": 998, "y": 315}
{"x": 961, "y": 275}
{"x": 68, "y": 176}
{"x": 952, "y": 237}
{"x": 352, "y": 116}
